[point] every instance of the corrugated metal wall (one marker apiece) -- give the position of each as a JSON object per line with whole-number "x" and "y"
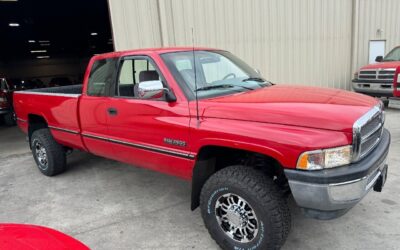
{"x": 135, "y": 23}
{"x": 289, "y": 41}
{"x": 377, "y": 20}
{"x": 314, "y": 42}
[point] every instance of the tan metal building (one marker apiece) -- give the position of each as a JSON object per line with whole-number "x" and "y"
{"x": 313, "y": 42}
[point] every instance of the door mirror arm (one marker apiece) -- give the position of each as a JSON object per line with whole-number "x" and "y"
{"x": 379, "y": 59}
{"x": 169, "y": 95}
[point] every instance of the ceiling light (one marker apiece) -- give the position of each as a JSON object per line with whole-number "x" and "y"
{"x": 45, "y": 44}
{"x": 8, "y": 0}
{"x": 43, "y": 57}
{"x": 38, "y": 51}
{"x": 93, "y": 34}
{"x": 13, "y": 24}
{"x": 31, "y": 41}
{"x": 44, "y": 41}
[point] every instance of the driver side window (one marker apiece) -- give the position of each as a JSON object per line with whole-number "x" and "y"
{"x": 132, "y": 72}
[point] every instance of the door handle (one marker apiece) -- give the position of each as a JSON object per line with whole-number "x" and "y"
{"x": 112, "y": 111}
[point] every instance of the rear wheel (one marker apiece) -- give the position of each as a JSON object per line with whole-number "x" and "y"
{"x": 49, "y": 156}
{"x": 243, "y": 209}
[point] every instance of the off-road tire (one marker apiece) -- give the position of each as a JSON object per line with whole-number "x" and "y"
{"x": 262, "y": 195}
{"x": 56, "y": 157}
{"x": 9, "y": 119}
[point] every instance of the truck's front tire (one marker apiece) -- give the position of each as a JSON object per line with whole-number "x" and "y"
{"x": 243, "y": 209}
{"x": 49, "y": 156}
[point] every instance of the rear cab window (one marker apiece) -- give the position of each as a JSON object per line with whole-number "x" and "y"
{"x": 101, "y": 77}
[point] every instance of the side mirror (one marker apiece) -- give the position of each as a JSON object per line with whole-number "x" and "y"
{"x": 379, "y": 59}
{"x": 150, "y": 90}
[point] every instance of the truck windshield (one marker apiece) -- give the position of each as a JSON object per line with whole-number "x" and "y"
{"x": 393, "y": 55}
{"x": 217, "y": 73}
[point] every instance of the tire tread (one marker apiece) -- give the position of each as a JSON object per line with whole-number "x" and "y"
{"x": 254, "y": 182}
{"x": 55, "y": 152}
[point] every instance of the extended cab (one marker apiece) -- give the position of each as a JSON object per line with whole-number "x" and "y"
{"x": 206, "y": 116}
{"x": 377, "y": 79}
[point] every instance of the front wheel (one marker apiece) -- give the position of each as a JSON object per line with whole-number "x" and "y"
{"x": 243, "y": 209}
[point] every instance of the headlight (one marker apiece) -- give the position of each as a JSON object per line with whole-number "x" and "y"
{"x": 356, "y": 75}
{"x": 3, "y": 99}
{"x": 327, "y": 158}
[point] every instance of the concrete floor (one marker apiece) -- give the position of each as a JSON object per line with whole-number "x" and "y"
{"x": 109, "y": 205}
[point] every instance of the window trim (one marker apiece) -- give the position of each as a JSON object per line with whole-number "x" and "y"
{"x": 116, "y": 93}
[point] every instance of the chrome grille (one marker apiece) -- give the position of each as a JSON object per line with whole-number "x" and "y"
{"x": 379, "y": 74}
{"x": 367, "y": 132}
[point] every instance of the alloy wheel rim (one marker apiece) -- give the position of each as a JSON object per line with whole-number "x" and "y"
{"x": 236, "y": 218}
{"x": 41, "y": 155}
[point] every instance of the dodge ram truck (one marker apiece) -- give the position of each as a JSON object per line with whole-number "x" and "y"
{"x": 377, "y": 79}
{"x": 201, "y": 114}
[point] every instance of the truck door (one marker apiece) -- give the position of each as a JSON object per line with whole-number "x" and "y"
{"x": 151, "y": 133}
{"x": 93, "y": 107}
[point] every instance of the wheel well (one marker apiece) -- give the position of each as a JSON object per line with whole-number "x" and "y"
{"x": 35, "y": 122}
{"x": 213, "y": 158}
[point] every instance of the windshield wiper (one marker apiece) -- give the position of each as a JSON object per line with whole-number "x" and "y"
{"x": 222, "y": 86}
{"x": 219, "y": 86}
{"x": 256, "y": 79}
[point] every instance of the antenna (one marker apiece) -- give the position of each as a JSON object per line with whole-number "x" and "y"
{"x": 195, "y": 78}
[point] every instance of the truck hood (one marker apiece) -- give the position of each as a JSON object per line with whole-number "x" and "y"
{"x": 313, "y": 107}
{"x": 382, "y": 65}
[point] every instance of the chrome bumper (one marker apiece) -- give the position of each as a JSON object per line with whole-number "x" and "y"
{"x": 373, "y": 88}
{"x": 328, "y": 194}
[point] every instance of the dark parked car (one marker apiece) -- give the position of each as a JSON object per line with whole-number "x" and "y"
{"x": 60, "y": 81}
{"x": 20, "y": 84}
{"x": 6, "y": 107}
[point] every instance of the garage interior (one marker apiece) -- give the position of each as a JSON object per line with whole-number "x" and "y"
{"x": 45, "y": 41}
{"x": 111, "y": 205}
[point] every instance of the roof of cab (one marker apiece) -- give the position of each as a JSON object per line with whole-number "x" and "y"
{"x": 161, "y": 50}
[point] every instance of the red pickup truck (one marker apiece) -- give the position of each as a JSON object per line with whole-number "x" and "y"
{"x": 204, "y": 115}
{"x": 377, "y": 79}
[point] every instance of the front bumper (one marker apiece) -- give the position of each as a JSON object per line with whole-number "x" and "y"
{"x": 330, "y": 193}
{"x": 373, "y": 88}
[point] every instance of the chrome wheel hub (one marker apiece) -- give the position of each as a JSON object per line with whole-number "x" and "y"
{"x": 41, "y": 155}
{"x": 236, "y": 218}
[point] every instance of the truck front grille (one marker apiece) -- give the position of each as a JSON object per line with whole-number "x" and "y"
{"x": 379, "y": 74}
{"x": 367, "y": 132}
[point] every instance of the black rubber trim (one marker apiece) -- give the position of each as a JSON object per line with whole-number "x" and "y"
{"x": 64, "y": 130}
{"x": 377, "y": 81}
{"x": 148, "y": 148}
{"x": 346, "y": 173}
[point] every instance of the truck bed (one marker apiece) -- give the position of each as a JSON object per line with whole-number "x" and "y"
{"x": 57, "y": 105}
